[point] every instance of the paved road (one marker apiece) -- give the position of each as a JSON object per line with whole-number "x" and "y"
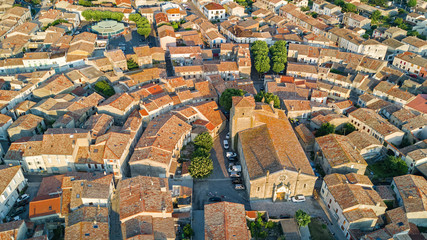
{"x": 193, "y": 9}
{"x": 115, "y": 227}
{"x": 198, "y": 225}
{"x": 218, "y": 184}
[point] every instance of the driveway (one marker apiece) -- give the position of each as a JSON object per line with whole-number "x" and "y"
{"x": 218, "y": 184}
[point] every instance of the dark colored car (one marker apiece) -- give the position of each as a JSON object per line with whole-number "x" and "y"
{"x": 18, "y": 211}
{"x": 215, "y": 199}
{"x": 237, "y": 180}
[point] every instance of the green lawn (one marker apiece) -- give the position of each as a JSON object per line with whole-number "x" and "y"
{"x": 319, "y": 230}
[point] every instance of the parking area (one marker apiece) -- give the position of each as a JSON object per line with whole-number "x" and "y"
{"x": 128, "y": 41}
{"x": 219, "y": 183}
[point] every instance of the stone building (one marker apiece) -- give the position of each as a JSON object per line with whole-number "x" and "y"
{"x": 274, "y": 165}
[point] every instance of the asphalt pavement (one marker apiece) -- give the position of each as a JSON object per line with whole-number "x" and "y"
{"x": 219, "y": 183}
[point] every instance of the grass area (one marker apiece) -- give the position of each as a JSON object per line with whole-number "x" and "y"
{"x": 319, "y": 230}
{"x": 422, "y": 229}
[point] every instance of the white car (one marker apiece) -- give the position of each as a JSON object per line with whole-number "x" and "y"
{"x": 231, "y": 154}
{"x": 239, "y": 187}
{"x": 226, "y": 146}
{"x": 235, "y": 174}
{"x": 298, "y": 198}
{"x": 227, "y": 136}
{"x": 24, "y": 197}
{"x": 235, "y": 168}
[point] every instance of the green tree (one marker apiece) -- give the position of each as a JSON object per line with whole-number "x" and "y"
{"x": 325, "y": 129}
{"x": 412, "y": 3}
{"x": 396, "y": 165}
{"x": 398, "y": 21}
{"x": 257, "y": 227}
{"x": 201, "y": 152}
{"x": 226, "y": 97}
{"x": 278, "y": 67}
{"x": 259, "y": 47}
{"x": 375, "y": 16}
{"x": 144, "y": 31}
{"x": 135, "y": 17}
{"x": 200, "y": 167}
{"x": 303, "y": 219}
{"x": 267, "y": 98}
{"x": 104, "y": 88}
{"x": 413, "y": 33}
{"x": 346, "y": 129}
{"x": 204, "y": 140}
{"x": 348, "y": 7}
{"x": 132, "y": 64}
{"x": 188, "y": 231}
{"x": 85, "y": 3}
{"x": 262, "y": 63}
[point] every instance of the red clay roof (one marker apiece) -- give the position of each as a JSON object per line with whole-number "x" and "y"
{"x": 419, "y": 103}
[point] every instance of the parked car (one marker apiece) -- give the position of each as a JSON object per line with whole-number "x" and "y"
{"x": 23, "y": 198}
{"x": 298, "y": 198}
{"x": 226, "y": 146}
{"x": 239, "y": 187}
{"x": 235, "y": 174}
{"x": 237, "y": 181}
{"x": 215, "y": 199}
{"x": 235, "y": 168}
{"x": 18, "y": 211}
{"x": 231, "y": 154}
{"x": 227, "y": 136}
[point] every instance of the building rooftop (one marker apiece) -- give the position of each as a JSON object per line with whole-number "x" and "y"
{"x": 143, "y": 194}
{"x": 339, "y": 150}
{"x": 374, "y": 121}
{"x": 412, "y": 190}
{"x": 226, "y": 220}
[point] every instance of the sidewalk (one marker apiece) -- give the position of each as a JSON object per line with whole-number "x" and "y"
{"x": 305, "y": 233}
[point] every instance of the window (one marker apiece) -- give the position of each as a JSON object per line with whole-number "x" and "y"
{"x": 50, "y": 207}
{"x": 258, "y": 189}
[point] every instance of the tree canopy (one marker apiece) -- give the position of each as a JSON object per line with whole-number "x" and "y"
{"x": 226, "y": 97}
{"x": 267, "y": 97}
{"x": 412, "y": 3}
{"x": 375, "y": 16}
{"x": 96, "y": 15}
{"x": 396, "y": 165}
{"x": 260, "y": 53}
{"x": 303, "y": 219}
{"x": 142, "y": 24}
{"x": 204, "y": 140}
{"x": 104, "y": 88}
{"x": 200, "y": 167}
{"x": 279, "y": 55}
{"x": 132, "y": 64}
{"x": 325, "y": 129}
{"x": 346, "y": 129}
